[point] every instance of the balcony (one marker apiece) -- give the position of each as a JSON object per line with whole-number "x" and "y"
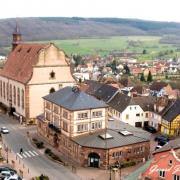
{"x": 54, "y": 128}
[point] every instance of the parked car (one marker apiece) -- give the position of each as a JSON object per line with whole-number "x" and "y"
{"x": 162, "y": 142}
{"x": 150, "y": 129}
{"x": 5, "y": 168}
{"x": 7, "y": 173}
{"x": 161, "y": 138}
{"x": 13, "y": 177}
{"x": 4, "y": 130}
{"x": 158, "y": 147}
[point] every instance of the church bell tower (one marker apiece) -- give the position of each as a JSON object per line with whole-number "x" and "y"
{"x": 17, "y": 38}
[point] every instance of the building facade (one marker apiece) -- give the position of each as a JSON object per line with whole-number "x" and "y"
{"x": 77, "y": 124}
{"x": 30, "y": 72}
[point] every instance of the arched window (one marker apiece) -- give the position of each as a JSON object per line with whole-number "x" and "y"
{"x": 1, "y": 88}
{"x": 7, "y": 91}
{"x": 14, "y": 94}
{"x": 18, "y": 97}
{"x": 52, "y": 90}
{"x": 4, "y": 94}
{"x": 22, "y": 98}
{"x": 10, "y": 93}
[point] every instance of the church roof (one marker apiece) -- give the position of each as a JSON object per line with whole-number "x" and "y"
{"x": 19, "y": 65}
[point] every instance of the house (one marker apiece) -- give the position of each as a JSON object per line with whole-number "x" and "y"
{"x": 159, "y": 89}
{"x": 165, "y": 163}
{"x": 30, "y": 72}
{"x": 77, "y": 124}
{"x": 134, "y": 111}
{"x": 170, "y": 124}
{"x": 139, "y": 90}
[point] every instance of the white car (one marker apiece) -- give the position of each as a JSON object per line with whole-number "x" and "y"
{"x": 13, "y": 177}
{"x": 7, "y": 173}
{"x": 4, "y": 130}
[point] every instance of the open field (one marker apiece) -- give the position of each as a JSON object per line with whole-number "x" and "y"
{"x": 104, "y": 46}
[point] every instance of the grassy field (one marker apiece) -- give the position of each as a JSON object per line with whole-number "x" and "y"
{"x": 104, "y": 46}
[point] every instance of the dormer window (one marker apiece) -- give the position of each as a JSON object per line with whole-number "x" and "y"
{"x": 52, "y": 75}
{"x": 170, "y": 162}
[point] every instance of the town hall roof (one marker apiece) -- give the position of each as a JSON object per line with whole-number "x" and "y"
{"x": 19, "y": 65}
{"x": 74, "y": 99}
{"x": 115, "y": 136}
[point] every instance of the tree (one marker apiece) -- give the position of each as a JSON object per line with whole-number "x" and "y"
{"x": 77, "y": 60}
{"x": 113, "y": 66}
{"x": 127, "y": 70}
{"x": 144, "y": 51}
{"x": 149, "y": 78}
{"x": 142, "y": 78}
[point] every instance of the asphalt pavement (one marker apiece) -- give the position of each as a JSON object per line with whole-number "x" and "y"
{"x": 34, "y": 159}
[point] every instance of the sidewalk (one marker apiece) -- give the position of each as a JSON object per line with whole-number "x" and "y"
{"x": 13, "y": 161}
{"x": 85, "y": 173}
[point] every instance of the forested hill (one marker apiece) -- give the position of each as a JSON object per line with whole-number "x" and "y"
{"x": 50, "y": 28}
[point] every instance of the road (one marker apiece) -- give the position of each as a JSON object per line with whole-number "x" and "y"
{"x": 37, "y": 162}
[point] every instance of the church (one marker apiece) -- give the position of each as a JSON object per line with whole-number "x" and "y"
{"x": 32, "y": 71}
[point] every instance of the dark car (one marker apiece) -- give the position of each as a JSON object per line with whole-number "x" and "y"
{"x": 150, "y": 129}
{"x": 162, "y": 142}
{"x": 161, "y": 138}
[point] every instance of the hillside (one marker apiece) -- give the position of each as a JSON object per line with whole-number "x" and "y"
{"x": 50, "y": 28}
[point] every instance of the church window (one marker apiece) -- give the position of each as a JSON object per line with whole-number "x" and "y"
{"x": 52, "y": 75}
{"x": 52, "y": 90}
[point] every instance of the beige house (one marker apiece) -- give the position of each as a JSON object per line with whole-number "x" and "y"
{"x": 31, "y": 72}
{"x": 77, "y": 125}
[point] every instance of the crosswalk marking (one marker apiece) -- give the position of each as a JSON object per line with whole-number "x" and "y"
{"x": 27, "y": 154}
{"x": 35, "y": 152}
{"x": 19, "y": 155}
{"x": 31, "y": 153}
{"x": 24, "y": 155}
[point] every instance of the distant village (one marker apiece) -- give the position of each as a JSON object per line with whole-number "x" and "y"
{"x": 101, "y": 112}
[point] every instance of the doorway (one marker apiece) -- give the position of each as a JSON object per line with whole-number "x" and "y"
{"x": 94, "y": 160}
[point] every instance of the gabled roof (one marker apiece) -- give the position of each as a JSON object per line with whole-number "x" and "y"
{"x": 20, "y": 61}
{"x": 120, "y": 102}
{"x": 157, "y": 86}
{"x": 100, "y": 90}
{"x": 145, "y": 102}
{"x": 171, "y": 111}
{"x": 74, "y": 99}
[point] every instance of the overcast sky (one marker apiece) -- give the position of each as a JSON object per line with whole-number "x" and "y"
{"x": 159, "y": 10}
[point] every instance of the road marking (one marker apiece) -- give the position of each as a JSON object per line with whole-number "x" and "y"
{"x": 27, "y": 154}
{"x": 24, "y": 155}
{"x": 31, "y": 153}
{"x": 35, "y": 153}
{"x": 19, "y": 155}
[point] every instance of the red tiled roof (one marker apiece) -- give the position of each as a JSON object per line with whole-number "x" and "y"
{"x": 20, "y": 61}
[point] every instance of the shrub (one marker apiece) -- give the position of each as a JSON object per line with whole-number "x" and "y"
{"x": 47, "y": 151}
{"x": 34, "y": 139}
{"x": 40, "y": 145}
{"x": 128, "y": 164}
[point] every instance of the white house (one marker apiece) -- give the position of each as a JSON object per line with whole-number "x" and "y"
{"x": 134, "y": 111}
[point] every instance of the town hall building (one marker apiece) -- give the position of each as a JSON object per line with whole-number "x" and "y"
{"x": 32, "y": 71}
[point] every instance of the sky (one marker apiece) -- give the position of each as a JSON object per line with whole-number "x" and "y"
{"x": 158, "y": 10}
